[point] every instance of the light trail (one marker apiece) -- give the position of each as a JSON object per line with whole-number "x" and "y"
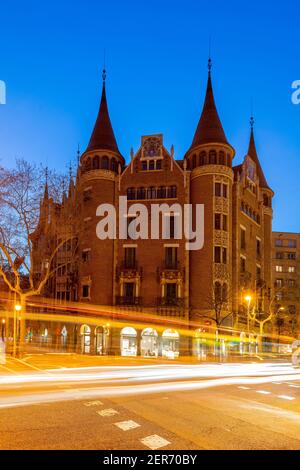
{"x": 161, "y": 379}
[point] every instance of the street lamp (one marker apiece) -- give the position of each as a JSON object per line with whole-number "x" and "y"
{"x": 17, "y": 308}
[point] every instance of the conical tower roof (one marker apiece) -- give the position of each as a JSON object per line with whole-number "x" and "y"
{"x": 209, "y": 129}
{"x": 252, "y": 152}
{"x": 103, "y": 137}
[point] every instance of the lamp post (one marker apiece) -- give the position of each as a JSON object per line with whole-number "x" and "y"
{"x": 17, "y": 309}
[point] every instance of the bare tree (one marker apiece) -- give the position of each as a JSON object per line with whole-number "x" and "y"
{"x": 21, "y": 190}
{"x": 218, "y": 304}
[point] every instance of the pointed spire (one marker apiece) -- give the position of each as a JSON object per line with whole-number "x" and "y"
{"x": 209, "y": 129}
{"x": 46, "y": 191}
{"x": 71, "y": 182}
{"x": 103, "y": 137}
{"x": 253, "y": 154}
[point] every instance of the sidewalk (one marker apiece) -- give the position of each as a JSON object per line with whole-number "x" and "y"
{"x": 44, "y": 361}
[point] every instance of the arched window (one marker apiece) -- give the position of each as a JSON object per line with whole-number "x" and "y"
{"x": 194, "y": 161}
{"x": 266, "y": 200}
{"x": 96, "y": 162}
{"x": 212, "y": 157}
{"x": 141, "y": 193}
{"x": 173, "y": 191}
{"x": 104, "y": 163}
{"x": 218, "y": 292}
{"x": 130, "y": 194}
{"x": 202, "y": 158}
{"x": 88, "y": 164}
{"x": 113, "y": 165}
{"x": 222, "y": 158}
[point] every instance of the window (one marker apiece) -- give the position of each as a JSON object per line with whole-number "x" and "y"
{"x": 279, "y": 255}
{"x": 218, "y": 292}
{"x": 225, "y": 190}
{"x": 218, "y": 190}
{"x": 279, "y": 283}
{"x": 173, "y": 192}
{"x": 292, "y": 243}
{"x": 243, "y": 239}
{"x": 151, "y": 165}
{"x": 171, "y": 257}
{"x": 86, "y": 256}
{"x": 141, "y": 193}
{"x": 242, "y": 264}
{"x": 217, "y": 254}
{"x": 131, "y": 194}
{"x": 291, "y": 283}
{"x": 85, "y": 291}
{"x": 217, "y": 221}
{"x": 279, "y": 269}
{"x": 144, "y": 166}
{"x": 258, "y": 273}
{"x": 291, "y": 269}
{"x": 104, "y": 163}
{"x": 129, "y": 290}
{"x": 96, "y": 162}
{"x": 114, "y": 165}
{"x": 222, "y": 158}
{"x": 278, "y": 242}
{"x": 158, "y": 164}
{"x": 258, "y": 247}
{"x": 130, "y": 258}
{"x": 212, "y": 157}
{"x": 202, "y": 157}
{"x": 224, "y": 255}
{"x": 291, "y": 256}
{"x": 171, "y": 290}
{"x": 224, "y": 226}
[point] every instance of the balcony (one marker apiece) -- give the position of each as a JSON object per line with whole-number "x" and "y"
{"x": 128, "y": 301}
{"x": 170, "y": 302}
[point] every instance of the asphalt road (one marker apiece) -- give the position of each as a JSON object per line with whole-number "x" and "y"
{"x": 169, "y": 407}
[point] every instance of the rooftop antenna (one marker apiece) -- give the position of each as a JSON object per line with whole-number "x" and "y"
{"x": 104, "y": 69}
{"x": 209, "y": 56}
{"x": 78, "y": 153}
{"x": 252, "y": 117}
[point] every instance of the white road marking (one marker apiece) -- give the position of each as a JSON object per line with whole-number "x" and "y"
{"x": 126, "y": 425}
{"x": 108, "y": 412}
{"x": 154, "y": 442}
{"x": 286, "y": 397}
{"x": 294, "y": 386}
{"x": 277, "y": 383}
{"x": 93, "y": 403}
{"x": 244, "y": 388}
{"x": 263, "y": 392}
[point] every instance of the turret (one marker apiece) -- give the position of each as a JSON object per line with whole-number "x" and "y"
{"x": 209, "y": 159}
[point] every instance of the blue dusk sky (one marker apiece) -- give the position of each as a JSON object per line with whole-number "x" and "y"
{"x": 156, "y": 60}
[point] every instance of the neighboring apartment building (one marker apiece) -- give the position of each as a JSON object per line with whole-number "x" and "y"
{"x": 286, "y": 279}
{"x": 155, "y": 275}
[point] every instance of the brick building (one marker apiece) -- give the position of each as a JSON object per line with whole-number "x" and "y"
{"x": 286, "y": 279}
{"x": 157, "y": 275}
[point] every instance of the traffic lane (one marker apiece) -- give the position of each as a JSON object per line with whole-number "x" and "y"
{"x": 83, "y": 425}
{"x": 223, "y": 418}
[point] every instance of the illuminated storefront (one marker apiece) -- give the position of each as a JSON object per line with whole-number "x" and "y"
{"x": 128, "y": 341}
{"x": 149, "y": 343}
{"x": 170, "y": 344}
